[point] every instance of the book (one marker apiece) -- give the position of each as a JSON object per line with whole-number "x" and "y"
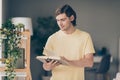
{"x": 51, "y": 56}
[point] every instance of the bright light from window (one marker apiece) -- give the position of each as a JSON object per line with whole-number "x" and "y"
{"x": 0, "y": 13}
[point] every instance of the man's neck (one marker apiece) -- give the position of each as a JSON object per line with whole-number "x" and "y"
{"x": 70, "y": 31}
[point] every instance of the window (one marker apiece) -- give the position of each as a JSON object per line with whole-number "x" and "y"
{"x": 0, "y": 27}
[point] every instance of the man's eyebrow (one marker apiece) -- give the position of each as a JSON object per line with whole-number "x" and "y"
{"x": 61, "y": 19}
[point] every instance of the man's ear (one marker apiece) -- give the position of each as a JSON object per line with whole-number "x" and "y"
{"x": 71, "y": 18}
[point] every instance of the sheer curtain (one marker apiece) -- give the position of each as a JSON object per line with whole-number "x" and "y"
{"x": 0, "y": 27}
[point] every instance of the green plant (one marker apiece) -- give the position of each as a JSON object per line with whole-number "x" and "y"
{"x": 46, "y": 26}
{"x": 12, "y": 35}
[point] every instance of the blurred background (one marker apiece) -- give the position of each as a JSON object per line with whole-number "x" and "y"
{"x": 101, "y": 18}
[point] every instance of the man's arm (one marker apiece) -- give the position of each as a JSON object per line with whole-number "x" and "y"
{"x": 87, "y": 61}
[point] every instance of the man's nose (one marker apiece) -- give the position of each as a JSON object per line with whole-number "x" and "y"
{"x": 60, "y": 23}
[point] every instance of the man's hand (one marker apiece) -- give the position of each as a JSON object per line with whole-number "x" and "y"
{"x": 50, "y": 65}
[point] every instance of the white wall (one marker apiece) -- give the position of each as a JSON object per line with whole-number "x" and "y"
{"x": 119, "y": 54}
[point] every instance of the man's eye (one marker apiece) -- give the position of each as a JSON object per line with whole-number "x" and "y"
{"x": 63, "y": 19}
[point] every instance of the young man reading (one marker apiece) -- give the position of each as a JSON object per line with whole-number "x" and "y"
{"x": 73, "y": 46}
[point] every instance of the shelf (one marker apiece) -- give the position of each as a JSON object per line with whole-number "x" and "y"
{"x": 97, "y": 59}
{"x": 18, "y": 74}
{"x": 24, "y": 72}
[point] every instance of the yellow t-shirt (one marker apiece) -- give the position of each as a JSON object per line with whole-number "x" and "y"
{"x": 72, "y": 46}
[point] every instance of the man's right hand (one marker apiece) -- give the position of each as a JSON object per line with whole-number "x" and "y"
{"x": 50, "y": 65}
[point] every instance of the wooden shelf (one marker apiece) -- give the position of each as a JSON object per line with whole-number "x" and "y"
{"x": 18, "y": 74}
{"x": 25, "y": 43}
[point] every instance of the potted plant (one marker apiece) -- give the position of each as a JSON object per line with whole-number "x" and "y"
{"x": 12, "y": 41}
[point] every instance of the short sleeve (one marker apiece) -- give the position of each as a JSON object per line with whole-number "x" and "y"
{"x": 89, "y": 47}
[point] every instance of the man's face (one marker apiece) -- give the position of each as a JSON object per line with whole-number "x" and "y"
{"x": 63, "y": 22}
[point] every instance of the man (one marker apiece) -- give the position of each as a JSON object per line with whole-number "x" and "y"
{"x": 73, "y": 45}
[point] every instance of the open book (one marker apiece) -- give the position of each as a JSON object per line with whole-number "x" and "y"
{"x": 51, "y": 57}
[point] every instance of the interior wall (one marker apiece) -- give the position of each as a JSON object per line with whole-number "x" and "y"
{"x": 98, "y": 17}
{"x": 5, "y": 10}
